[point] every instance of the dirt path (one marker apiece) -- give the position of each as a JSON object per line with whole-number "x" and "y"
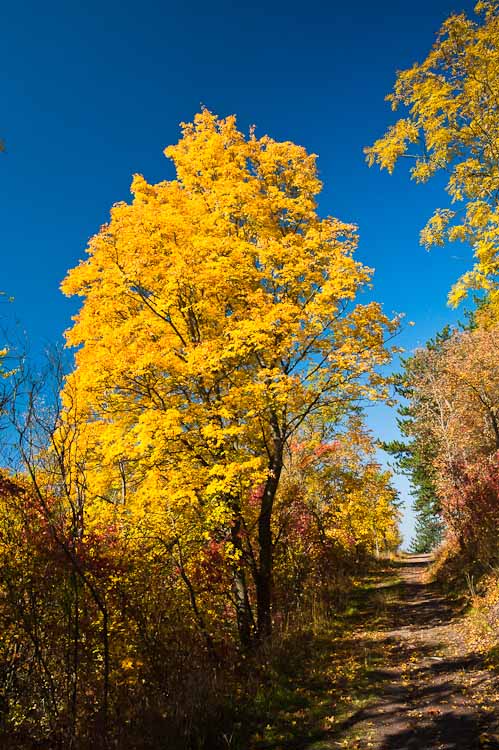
{"x": 433, "y": 694}
{"x": 396, "y": 675}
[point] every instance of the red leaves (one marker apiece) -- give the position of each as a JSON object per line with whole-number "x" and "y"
{"x": 470, "y": 499}
{"x": 255, "y": 495}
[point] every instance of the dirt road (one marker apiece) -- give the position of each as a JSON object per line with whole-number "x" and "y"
{"x": 431, "y": 692}
{"x": 395, "y": 674}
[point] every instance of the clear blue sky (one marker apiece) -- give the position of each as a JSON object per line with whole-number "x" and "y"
{"x": 92, "y": 92}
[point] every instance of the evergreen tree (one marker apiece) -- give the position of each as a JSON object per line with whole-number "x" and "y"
{"x": 415, "y": 453}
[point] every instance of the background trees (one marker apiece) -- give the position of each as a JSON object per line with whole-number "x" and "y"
{"x": 450, "y": 124}
{"x": 416, "y": 453}
{"x": 452, "y": 388}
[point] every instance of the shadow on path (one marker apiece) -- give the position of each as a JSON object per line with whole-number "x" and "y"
{"x": 407, "y": 686}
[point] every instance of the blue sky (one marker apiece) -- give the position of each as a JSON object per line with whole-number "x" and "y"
{"x": 92, "y": 92}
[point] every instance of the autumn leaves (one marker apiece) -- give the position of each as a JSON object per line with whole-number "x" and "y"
{"x": 452, "y": 125}
{"x": 218, "y": 327}
{"x": 208, "y": 478}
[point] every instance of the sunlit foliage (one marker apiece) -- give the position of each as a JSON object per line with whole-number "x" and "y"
{"x": 218, "y": 319}
{"x": 454, "y": 401}
{"x": 451, "y": 125}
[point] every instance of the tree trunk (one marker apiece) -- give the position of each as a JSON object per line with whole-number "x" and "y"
{"x": 240, "y": 591}
{"x": 264, "y": 574}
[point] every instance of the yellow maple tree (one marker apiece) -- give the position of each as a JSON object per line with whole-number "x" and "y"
{"x": 219, "y": 315}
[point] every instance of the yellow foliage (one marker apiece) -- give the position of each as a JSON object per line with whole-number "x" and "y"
{"x": 218, "y": 317}
{"x": 451, "y": 102}
{"x": 206, "y": 301}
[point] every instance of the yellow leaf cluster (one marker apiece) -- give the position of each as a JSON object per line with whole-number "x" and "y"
{"x": 453, "y": 120}
{"x": 218, "y": 313}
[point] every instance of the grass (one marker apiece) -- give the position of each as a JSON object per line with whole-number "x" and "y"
{"x": 317, "y": 679}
